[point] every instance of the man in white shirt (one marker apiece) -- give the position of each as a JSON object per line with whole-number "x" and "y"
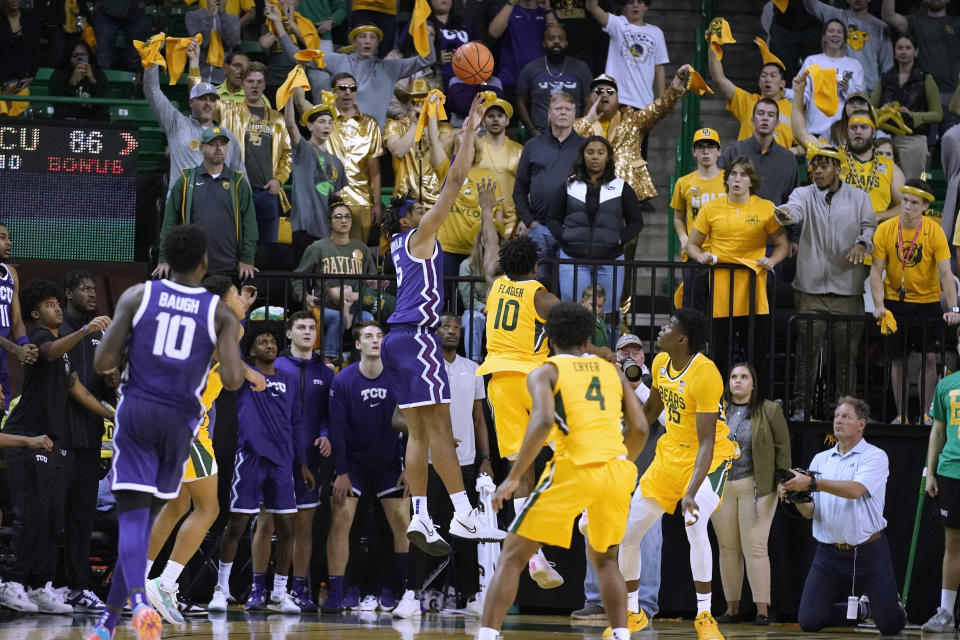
{"x": 848, "y": 488}
{"x": 636, "y": 54}
{"x": 850, "y": 78}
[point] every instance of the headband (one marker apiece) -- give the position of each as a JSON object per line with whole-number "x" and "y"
{"x": 861, "y": 120}
{"x": 915, "y": 191}
{"x": 405, "y": 208}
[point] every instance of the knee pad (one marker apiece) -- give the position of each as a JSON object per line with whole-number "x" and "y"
{"x": 644, "y": 513}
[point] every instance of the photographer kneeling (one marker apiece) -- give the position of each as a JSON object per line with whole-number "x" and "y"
{"x": 846, "y": 490}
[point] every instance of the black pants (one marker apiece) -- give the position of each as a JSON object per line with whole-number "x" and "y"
{"x": 81, "y": 477}
{"x": 731, "y": 340}
{"x": 466, "y": 580}
{"x": 44, "y": 493}
{"x": 828, "y": 585}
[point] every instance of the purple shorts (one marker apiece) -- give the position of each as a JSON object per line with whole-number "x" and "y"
{"x": 381, "y": 481}
{"x": 307, "y": 498}
{"x": 151, "y": 446}
{"x": 413, "y": 354}
{"x": 259, "y": 480}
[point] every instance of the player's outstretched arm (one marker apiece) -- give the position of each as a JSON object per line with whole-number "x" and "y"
{"x": 232, "y": 368}
{"x": 422, "y": 240}
{"x": 109, "y": 353}
{"x": 636, "y": 428}
{"x": 540, "y": 383}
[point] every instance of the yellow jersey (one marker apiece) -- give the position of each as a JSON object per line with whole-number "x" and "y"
{"x": 878, "y": 183}
{"x": 207, "y": 398}
{"x": 516, "y": 340}
{"x": 459, "y": 231}
{"x": 738, "y": 234}
{"x": 742, "y": 109}
{"x": 690, "y": 193}
{"x": 698, "y": 388}
{"x": 920, "y": 278}
{"x": 588, "y": 400}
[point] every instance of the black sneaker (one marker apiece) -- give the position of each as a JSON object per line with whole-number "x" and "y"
{"x": 730, "y": 618}
{"x": 761, "y": 620}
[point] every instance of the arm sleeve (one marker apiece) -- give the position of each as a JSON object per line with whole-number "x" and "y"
{"x": 405, "y": 67}
{"x": 284, "y": 163}
{"x": 60, "y": 83}
{"x": 702, "y": 222}
{"x": 171, "y": 217}
{"x": 880, "y": 244}
{"x": 795, "y": 206}
{"x": 248, "y": 223}
{"x": 632, "y": 214}
{"x": 337, "y": 422}
{"x": 677, "y": 200}
{"x": 941, "y": 250}
{"x": 297, "y": 426}
{"x": 783, "y": 458}
{"x": 338, "y": 11}
{"x": 822, "y": 12}
{"x": 935, "y": 108}
{"x": 937, "y": 409}
{"x": 868, "y": 221}
{"x": 872, "y": 471}
{"x": 558, "y": 214}
{"x": 479, "y": 393}
{"x": 159, "y": 104}
{"x": 229, "y": 29}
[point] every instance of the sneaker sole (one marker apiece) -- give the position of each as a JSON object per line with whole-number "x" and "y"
{"x": 543, "y": 580}
{"x": 436, "y": 548}
{"x": 475, "y": 538}
{"x": 155, "y": 598}
{"x": 596, "y": 616}
{"x": 216, "y": 609}
{"x": 147, "y": 624}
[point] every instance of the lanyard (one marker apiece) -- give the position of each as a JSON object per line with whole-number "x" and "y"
{"x": 905, "y": 254}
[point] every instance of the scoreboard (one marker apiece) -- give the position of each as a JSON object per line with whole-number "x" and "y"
{"x": 69, "y": 189}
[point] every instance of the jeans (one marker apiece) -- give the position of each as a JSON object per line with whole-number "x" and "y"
{"x": 581, "y": 277}
{"x": 649, "y": 590}
{"x": 547, "y": 245}
{"x": 333, "y": 331}
{"x": 474, "y": 325}
{"x": 267, "y": 206}
{"x": 105, "y": 27}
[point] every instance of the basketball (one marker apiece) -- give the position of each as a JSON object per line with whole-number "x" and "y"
{"x": 473, "y": 63}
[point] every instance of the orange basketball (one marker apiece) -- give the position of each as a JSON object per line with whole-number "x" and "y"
{"x": 473, "y": 63}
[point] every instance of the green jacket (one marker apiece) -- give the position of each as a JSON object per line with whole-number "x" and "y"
{"x": 180, "y": 202}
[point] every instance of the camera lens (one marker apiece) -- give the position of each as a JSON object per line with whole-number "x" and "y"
{"x": 631, "y": 369}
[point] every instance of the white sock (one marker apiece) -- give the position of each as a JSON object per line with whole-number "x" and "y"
{"x": 171, "y": 573}
{"x": 420, "y": 508}
{"x": 633, "y": 601}
{"x": 703, "y": 602}
{"x": 948, "y": 599}
{"x": 621, "y": 633}
{"x": 279, "y": 584}
{"x": 461, "y": 504}
{"x": 486, "y": 633}
{"x": 149, "y": 566}
{"x": 223, "y": 576}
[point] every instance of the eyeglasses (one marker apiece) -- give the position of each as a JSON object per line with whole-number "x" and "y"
{"x": 610, "y": 91}
{"x": 340, "y": 216}
{"x": 347, "y": 87}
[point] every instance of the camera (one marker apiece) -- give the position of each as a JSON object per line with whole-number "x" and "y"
{"x": 782, "y": 475}
{"x": 632, "y": 370}
{"x": 83, "y": 60}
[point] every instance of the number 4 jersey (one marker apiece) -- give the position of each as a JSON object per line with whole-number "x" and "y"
{"x": 515, "y": 337}
{"x": 171, "y": 345}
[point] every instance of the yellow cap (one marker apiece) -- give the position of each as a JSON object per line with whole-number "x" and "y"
{"x": 364, "y": 28}
{"x": 706, "y": 134}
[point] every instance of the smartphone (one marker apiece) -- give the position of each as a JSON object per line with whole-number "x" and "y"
{"x": 83, "y": 60}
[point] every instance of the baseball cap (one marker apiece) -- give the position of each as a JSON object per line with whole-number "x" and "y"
{"x": 603, "y": 79}
{"x": 706, "y": 134}
{"x": 212, "y": 133}
{"x": 628, "y": 339}
{"x": 203, "y": 89}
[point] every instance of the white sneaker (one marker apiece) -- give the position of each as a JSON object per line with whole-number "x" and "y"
{"x": 424, "y": 535}
{"x": 165, "y": 602}
{"x": 369, "y": 603}
{"x": 474, "y": 608}
{"x": 218, "y": 603}
{"x": 470, "y": 528}
{"x": 283, "y": 602}
{"x": 85, "y": 601}
{"x": 48, "y": 601}
{"x": 542, "y": 571}
{"x": 409, "y": 606}
{"x": 12, "y": 596}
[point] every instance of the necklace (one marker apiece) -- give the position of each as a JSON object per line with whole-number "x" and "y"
{"x": 855, "y": 173}
{"x": 550, "y": 73}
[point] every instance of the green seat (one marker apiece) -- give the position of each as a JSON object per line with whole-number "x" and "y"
{"x": 140, "y": 113}
{"x": 253, "y": 50}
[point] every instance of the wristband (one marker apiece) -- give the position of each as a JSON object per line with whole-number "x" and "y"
{"x": 22, "y": 340}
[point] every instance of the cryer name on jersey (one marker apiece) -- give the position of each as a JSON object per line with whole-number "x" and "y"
{"x": 586, "y": 366}
{"x": 179, "y": 303}
{"x": 672, "y": 399}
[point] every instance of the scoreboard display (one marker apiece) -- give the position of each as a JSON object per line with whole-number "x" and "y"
{"x": 69, "y": 189}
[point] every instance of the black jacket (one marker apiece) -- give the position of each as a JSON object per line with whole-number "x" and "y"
{"x": 597, "y": 222}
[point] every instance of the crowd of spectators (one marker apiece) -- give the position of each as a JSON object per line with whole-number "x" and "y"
{"x": 293, "y": 142}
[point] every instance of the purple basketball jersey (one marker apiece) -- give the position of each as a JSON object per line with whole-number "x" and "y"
{"x": 6, "y": 300}
{"x": 171, "y": 344}
{"x": 419, "y": 284}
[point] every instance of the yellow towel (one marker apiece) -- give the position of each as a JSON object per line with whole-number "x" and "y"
{"x": 430, "y": 109}
{"x": 215, "y": 56}
{"x": 15, "y": 108}
{"x": 718, "y": 34}
{"x": 768, "y": 58}
{"x": 311, "y": 55}
{"x": 88, "y": 35}
{"x": 150, "y": 51}
{"x": 824, "y": 89}
{"x": 296, "y": 78}
{"x": 888, "y": 326}
{"x": 177, "y": 55}
{"x": 311, "y": 39}
{"x": 697, "y": 84}
{"x": 781, "y": 4}
{"x": 418, "y": 28}
{"x": 678, "y": 297}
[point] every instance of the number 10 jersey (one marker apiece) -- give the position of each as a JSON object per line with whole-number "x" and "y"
{"x": 515, "y": 331}
{"x": 170, "y": 348}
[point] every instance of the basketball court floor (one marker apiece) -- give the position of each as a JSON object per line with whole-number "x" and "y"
{"x": 375, "y": 626}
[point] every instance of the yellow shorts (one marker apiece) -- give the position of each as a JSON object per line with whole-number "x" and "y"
{"x": 510, "y": 404}
{"x": 202, "y": 463}
{"x": 667, "y": 479}
{"x": 565, "y": 490}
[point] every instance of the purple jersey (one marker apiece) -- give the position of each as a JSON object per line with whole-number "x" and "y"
{"x": 361, "y": 419}
{"x": 419, "y": 284}
{"x": 6, "y": 301}
{"x": 269, "y": 420}
{"x": 171, "y": 344}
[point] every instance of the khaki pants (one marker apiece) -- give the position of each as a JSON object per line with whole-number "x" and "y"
{"x": 912, "y": 152}
{"x": 844, "y": 336}
{"x": 742, "y": 525}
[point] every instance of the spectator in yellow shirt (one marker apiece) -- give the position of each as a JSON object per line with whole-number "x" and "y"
{"x": 914, "y": 251}
{"x": 500, "y": 155}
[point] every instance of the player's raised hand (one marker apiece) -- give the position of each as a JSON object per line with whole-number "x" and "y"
{"x": 256, "y": 379}
{"x": 504, "y": 492}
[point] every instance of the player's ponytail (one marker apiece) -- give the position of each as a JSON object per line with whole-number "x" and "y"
{"x": 398, "y": 208}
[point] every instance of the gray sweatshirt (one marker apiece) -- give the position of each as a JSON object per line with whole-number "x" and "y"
{"x": 830, "y": 230}
{"x": 375, "y": 77}
{"x": 227, "y": 25}
{"x": 182, "y": 130}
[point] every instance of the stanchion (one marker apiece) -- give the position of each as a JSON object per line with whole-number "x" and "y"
{"x": 916, "y": 533}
